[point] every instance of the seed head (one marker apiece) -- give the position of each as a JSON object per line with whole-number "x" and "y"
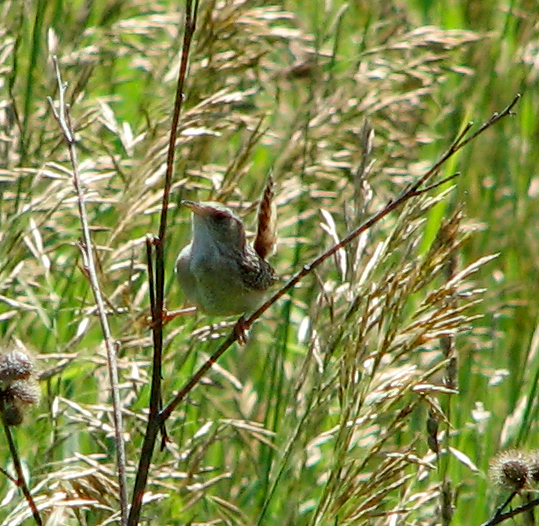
{"x": 511, "y": 470}
{"x": 15, "y": 365}
{"x": 19, "y": 388}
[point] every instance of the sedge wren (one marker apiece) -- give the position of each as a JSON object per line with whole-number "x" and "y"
{"x": 219, "y": 271}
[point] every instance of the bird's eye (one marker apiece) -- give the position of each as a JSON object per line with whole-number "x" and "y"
{"x": 220, "y": 217}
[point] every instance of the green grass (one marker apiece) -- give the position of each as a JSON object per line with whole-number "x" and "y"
{"x": 321, "y": 418}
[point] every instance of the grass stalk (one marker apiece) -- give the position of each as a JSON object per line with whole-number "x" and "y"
{"x": 62, "y": 116}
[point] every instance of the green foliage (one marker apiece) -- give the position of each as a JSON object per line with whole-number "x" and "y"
{"x": 321, "y": 417}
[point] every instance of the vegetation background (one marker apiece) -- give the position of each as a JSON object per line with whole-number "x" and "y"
{"x": 322, "y": 417}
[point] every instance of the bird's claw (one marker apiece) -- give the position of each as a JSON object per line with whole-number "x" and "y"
{"x": 240, "y": 330}
{"x": 168, "y": 316}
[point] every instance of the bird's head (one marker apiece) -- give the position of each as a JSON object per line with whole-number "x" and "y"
{"x": 217, "y": 222}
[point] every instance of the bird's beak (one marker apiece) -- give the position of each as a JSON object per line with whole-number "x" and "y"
{"x": 196, "y": 208}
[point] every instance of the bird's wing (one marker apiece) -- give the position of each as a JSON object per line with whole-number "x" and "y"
{"x": 257, "y": 273}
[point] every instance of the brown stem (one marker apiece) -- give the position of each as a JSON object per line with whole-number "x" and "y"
{"x": 500, "y": 517}
{"x": 63, "y": 118}
{"x": 154, "y": 422}
{"x": 21, "y": 481}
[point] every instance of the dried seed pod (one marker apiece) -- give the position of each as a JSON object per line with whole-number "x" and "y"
{"x": 447, "y": 506}
{"x": 511, "y": 470}
{"x": 16, "y": 399}
{"x": 15, "y": 365}
{"x": 432, "y": 431}
{"x": 19, "y": 388}
{"x": 12, "y": 413}
{"x": 451, "y": 378}
{"x": 26, "y": 392}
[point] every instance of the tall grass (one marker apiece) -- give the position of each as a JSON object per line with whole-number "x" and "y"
{"x": 321, "y": 418}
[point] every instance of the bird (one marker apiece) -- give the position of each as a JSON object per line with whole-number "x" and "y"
{"x": 219, "y": 271}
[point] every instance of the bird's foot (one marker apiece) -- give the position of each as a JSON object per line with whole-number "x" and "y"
{"x": 240, "y": 330}
{"x": 164, "y": 437}
{"x": 168, "y": 316}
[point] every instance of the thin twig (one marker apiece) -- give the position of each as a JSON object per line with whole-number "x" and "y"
{"x": 154, "y": 420}
{"x": 440, "y": 183}
{"x": 500, "y": 517}
{"x": 10, "y": 477}
{"x": 20, "y": 481}
{"x": 505, "y": 503}
{"x": 413, "y": 190}
{"x": 150, "y": 240}
{"x": 62, "y": 116}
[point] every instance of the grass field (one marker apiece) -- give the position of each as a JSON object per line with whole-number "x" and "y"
{"x": 421, "y": 331}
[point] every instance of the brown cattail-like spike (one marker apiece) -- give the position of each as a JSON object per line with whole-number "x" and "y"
{"x": 266, "y": 236}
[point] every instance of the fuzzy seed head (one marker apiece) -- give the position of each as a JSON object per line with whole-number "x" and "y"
{"x": 511, "y": 470}
{"x": 15, "y": 365}
{"x": 19, "y": 389}
{"x": 26, "y": 392}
